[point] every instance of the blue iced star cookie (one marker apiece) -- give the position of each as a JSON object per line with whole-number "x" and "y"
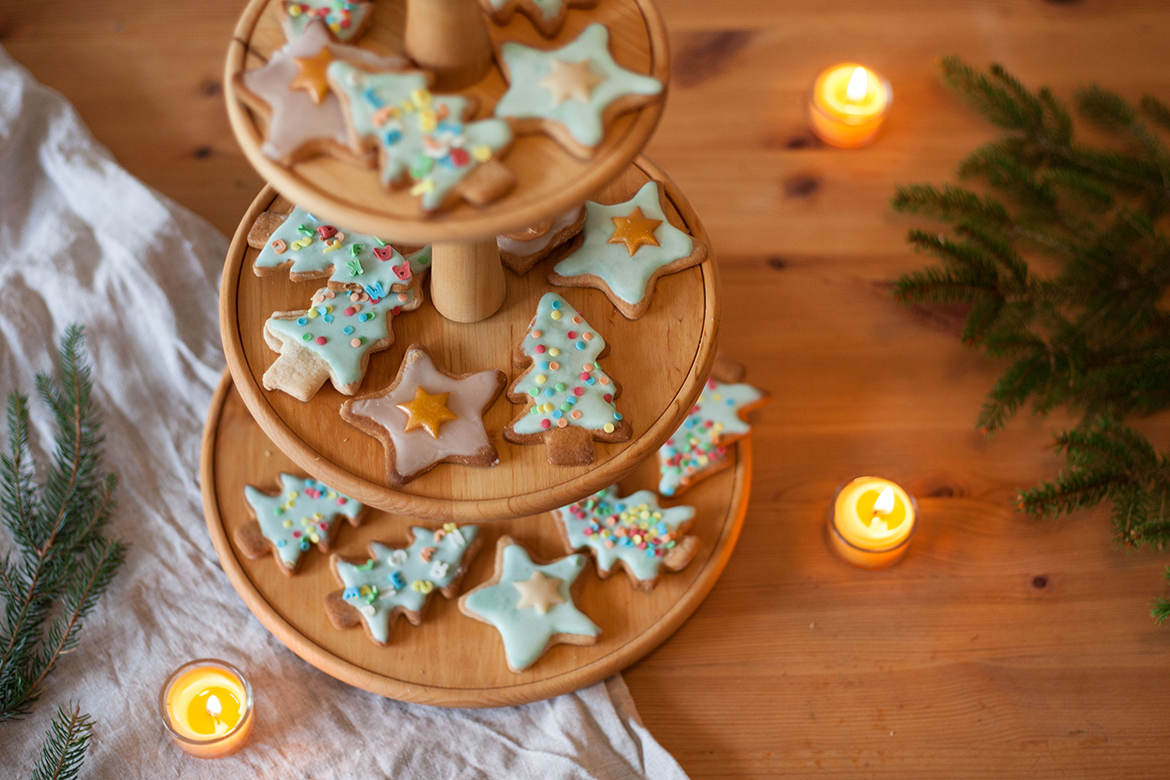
{"x": 399, "y": 581}
{"x": 530, "y": 604}
{"x": 571, "y": 93}
{"x": 303, "y": 513}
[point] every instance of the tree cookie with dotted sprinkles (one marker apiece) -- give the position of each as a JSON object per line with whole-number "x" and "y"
{"x": 346, "y": 20}
{"x": 428, "y": 416}
{"x": 332, "y": 339}
{"x": 394, "y": 582}
{"x": 572, "y": 93}
{"x": 701, "y": 445}
{"x": 569, "y": 399}
{"x": 548, "y": 16}
{"x": 522, "y": 249}
{"x": 634, "y": 533}
{"x": 303, "y": 513}
{"x": 627, "y": 246}
{"x": 531, "y": 604}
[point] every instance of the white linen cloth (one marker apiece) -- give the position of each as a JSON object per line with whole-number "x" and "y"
{"x": 83, "y": 241}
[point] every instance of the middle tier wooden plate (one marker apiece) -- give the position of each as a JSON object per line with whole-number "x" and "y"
{"x": 661, "y": 361}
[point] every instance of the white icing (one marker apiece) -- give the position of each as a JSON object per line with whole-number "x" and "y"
{"x": 515, "y": 246}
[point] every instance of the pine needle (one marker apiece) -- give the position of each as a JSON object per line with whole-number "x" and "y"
{"x": 65, "y": 746}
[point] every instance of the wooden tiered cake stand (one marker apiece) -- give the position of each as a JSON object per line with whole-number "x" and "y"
{"x": 661, "y": 359}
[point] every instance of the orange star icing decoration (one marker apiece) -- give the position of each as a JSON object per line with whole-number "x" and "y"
{"x": 635, "y": 230}
{"x": 539, "y": 592}
{"x": 427, "y": 411}
{"x": 574, "y": 80}
{"x": 311, "y": 74}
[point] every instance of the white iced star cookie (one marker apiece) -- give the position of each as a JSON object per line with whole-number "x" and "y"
{"x": 302, "y": 513}
{"x": 548, "y": 16}
{"x": 303, "y": 117}
{"x": 531, "y": 604}
{"x": 571, "y": 93}
{"x": 627, "y": 247}
{"x": 522, "y": 249}
{"x": 395, "y": 582}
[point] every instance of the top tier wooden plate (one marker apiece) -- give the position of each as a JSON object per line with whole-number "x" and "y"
{"x": 549, "y": 179}
{"x": 661, "y": 360}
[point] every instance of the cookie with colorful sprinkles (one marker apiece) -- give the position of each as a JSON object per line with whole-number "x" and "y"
{"x": 393, "y": 582}
{"x": 332, "y": 339}
{"x": 626, "y": 247}
{"x": 531, "y": 604}
{"x": 569, "y": 399}
{"x": 522, "y": 249}
{"x": 701, "y": 445}
{"x": 632, "y": 532}
{"x": 302, "y": 513}
{"x": 548, "y": 16}
{"x": 346, "y": 20}
{"x": 572, "y": 93}
{"x": 303, "y": 117}
{"x": 428, "y": 416}
{"x": 425, "y": 141}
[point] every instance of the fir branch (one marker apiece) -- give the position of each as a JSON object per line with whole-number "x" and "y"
{"x": 65, "y": 745}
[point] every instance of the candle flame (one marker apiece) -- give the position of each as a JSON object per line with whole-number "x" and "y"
{"x": 858, "y": 85}
{"x": 214, "y": 706}
{"x": 885, "y": 503}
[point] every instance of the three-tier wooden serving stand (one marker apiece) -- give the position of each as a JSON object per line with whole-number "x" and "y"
{"x": 473, "y": 317}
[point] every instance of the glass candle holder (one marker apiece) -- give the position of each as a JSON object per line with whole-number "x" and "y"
{"x": 848, "y": 105}
{"x": 871, "y": 522}
{"x": 207, "y": 707}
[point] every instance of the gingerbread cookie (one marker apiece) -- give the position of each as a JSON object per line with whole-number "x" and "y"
{"x": 570, "y": 400}
{"x": 428, "y": 416}
{"x": 333, "y": 339}
{"x": 572, "y": 93}
{"x": 393, "y": 582}
{"x": 523, "y": 249}
{"x": 308, "y": 248}
{"x": 304, "y": 119}
{"x": 548, "y": 16}
{"x": 627, "y": 247}
{"x": 633, "y": 532}
{"x": 346, "y": 20}
{"x": 303, "y": 513}
{"x": 699, "y": 448}
{"x": 423, "y": 140}
{"x": 531, "y": 604}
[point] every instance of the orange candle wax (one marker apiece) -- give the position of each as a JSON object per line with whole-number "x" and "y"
{"x": 871, "y": 521}
{"x": 848, "y": 104}
{"x": 207, "y": 708}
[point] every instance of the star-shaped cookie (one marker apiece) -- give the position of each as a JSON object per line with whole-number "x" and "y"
{"x": 302, "y": 513}
{"x": 531, "y": 604}
{"x": 626, "y": 247}
{"x": 571, "y": 93}
{"x": 299, "y": 127}
{"x": 548, "y": 16}
{"x": 393, "y": 582}
{"x": 345, "y": 19}
{"x": 442, "y": 421}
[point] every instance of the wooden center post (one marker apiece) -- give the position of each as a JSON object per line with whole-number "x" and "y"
{"x": 449, "y": 37}
{"x": 467, "y": 280}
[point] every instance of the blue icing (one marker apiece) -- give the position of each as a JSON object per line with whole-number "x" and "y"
{"x": 300, "y": 515}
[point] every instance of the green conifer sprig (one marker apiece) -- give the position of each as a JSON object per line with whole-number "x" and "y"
{"x": 65, "y": 745}
{"x": 1064, "y": 259}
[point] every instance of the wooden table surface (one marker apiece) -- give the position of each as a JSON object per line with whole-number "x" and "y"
{"x": 1001, "y": 646}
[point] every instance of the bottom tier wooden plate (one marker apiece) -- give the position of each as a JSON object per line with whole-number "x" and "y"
{"x": 451, "y": 660}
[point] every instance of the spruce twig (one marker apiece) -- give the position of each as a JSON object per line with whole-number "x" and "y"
{"x": 65, "y": 745}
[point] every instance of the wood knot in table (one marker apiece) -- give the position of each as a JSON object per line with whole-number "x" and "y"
{"x": 706, "y": 54}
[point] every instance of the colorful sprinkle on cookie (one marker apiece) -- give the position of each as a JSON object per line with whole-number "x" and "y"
{"x": 345, "y": 19}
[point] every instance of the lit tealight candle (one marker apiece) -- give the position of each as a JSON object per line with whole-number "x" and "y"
{"x": 871, "y": 521}
{"x": 848, "y": 105}
{"x": 207, "y": 708}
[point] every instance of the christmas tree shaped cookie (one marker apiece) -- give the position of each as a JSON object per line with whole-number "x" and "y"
{"x": 627, "y": 247}
{"x": 424, "y": 140}
{"x": 303, "y": 513}
{"x": 530, "y": 604}
{"x": 548, "y": 16}
{"x": 304, "y": 118}
{"x": 428, "y": 416}
{"x": 699, "y": 448}
{"x": 393, "y": 582}
{"x": 332, "y": 339}
{"x": 308, "y": 248}
{"x": 572, "y": 93}
{"x": 570, "y": 400}
{"x": 345, "y": 19}
{"x": 634, "y": 532}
